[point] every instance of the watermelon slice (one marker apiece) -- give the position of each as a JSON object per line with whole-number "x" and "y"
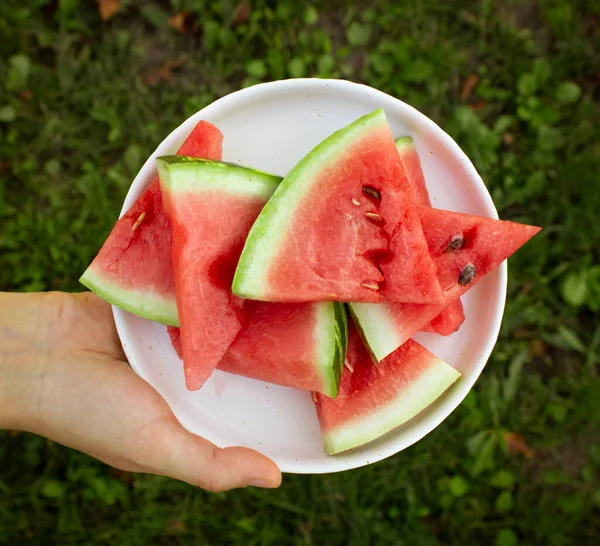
{"x": 334, "y": 220}
{"x": 411, "y": 163}
{"x": 299, "y": 345}
{"x": 465, "y": 248}
{"x": 211, "y": 206}
{"x": 133, "y": 268}
{"x": 374, "y": 399}
{"x": 450, "y": 319}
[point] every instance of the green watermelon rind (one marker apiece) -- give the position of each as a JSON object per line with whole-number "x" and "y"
{"x": 270, "y": 228}
{"x": 362, "y": 429}
{"x": 404, "y": 142}
{"x": 376, "y": 328}
{"x": 146, "y": 304}
{"x": 332, "y": 341}
{"x": 196, "y": 174}
{"x": 153, "y": 306}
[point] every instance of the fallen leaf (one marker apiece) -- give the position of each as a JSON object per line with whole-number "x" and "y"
{"x": 164, "y": 73}
{"x": 527, "y": 287}
{"x": 538, "y": 348}
{"x": 517, "y": 446}
{"x": 476, "y": 106}
{"x": 433, "y": 525}
{"x": 241, "y": 13}
{"x": 468, "y": 16}
{"x": 177, "y": 527}
{"x": 306, "y": 528}
{"x": 594, "y": 23}
{"x": 26, "y": 94}
{"x": 181, "y": 22}
{"x": 468, "y": 85}
{"x": 108, "y": 8}
{"x": 508, "y": 138}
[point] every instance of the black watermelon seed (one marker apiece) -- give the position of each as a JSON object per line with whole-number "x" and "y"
{"x": 371, "y": 192}
{"x": 456, "y": 243}
{"x": 467, "y": 275}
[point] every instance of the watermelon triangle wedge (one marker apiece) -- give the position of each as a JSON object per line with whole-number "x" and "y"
{"x": 133, "y": 268}
{"x": 450, "y": 319}
{"x": 465, "y": 249}
{"x": 373, "y": 399}
{"x": 411, "y": 163}
{"x": 330, "y": 232}
{"x": 300, "y": 345}
{"x": 211, "y": 206}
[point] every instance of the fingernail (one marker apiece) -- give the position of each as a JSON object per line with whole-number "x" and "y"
{"x": 262, "y": 483}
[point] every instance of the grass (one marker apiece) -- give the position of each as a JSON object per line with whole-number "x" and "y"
{"x": 84, "y": 101}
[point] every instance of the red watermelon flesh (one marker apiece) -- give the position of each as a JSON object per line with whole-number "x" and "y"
{"x": 486, "y": 243}
{"x": 414, "y": 172}
{"x": 300, "y": 345}
{"x": 408, "y": 268}
{"x": 335, "y": 273}
{"x": 217, "y": 243}
{"x": 211, "y": 207}
{"x": 457, "y": 241}
{"x": 133, "y": 268}
{"x": 374, "y": 399}
{"x": 271, "y": 331}
{"x": 175, "y": 336}
{"x": 332, "y": 222}
{"x": 450, "y": 319}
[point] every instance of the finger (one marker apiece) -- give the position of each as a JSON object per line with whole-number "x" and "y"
{"x": 187, "y": 457}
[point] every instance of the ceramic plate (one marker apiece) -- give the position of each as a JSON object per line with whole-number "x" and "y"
{"x": 270, "y": 127}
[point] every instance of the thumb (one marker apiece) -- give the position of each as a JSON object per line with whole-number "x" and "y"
{"x": 192, "y": 459}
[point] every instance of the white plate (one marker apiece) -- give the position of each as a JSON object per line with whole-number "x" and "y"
{"x": 270, "y": 127}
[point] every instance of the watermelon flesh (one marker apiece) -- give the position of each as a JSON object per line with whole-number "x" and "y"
{"x": 330, "y": 229}
{"x": 133, "y": 268}
{"x": 175, "y": 336}
{"x": 450, "y": 319}
{"x": 374, "y": 399}
{"x": 211, "y": 207}
{"x": 411, "y": 163}
{"x": 486, "y": 243}
{"x": 300, "y": 345}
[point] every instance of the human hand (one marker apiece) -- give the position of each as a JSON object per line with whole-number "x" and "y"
{"x": 63, "y": 375}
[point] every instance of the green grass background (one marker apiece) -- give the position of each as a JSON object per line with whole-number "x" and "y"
{"x": 80, "y": 110}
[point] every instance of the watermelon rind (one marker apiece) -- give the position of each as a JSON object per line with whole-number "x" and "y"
{"x": 147, "y": 304}
{"x": 404, "y": 142}
{"x": 430, "y": 385}
{"x": 209, "y": 174}
{"x": 377, "y": 328}
{"x": 270, "y": 228}
{"x": 332, "y": 340}
{"x": 180, "y": 173}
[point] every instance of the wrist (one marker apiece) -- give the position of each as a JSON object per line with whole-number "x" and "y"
{"x": 23, "y": 358}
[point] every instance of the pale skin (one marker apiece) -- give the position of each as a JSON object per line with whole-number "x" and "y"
{"x": 63, "y": 375}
